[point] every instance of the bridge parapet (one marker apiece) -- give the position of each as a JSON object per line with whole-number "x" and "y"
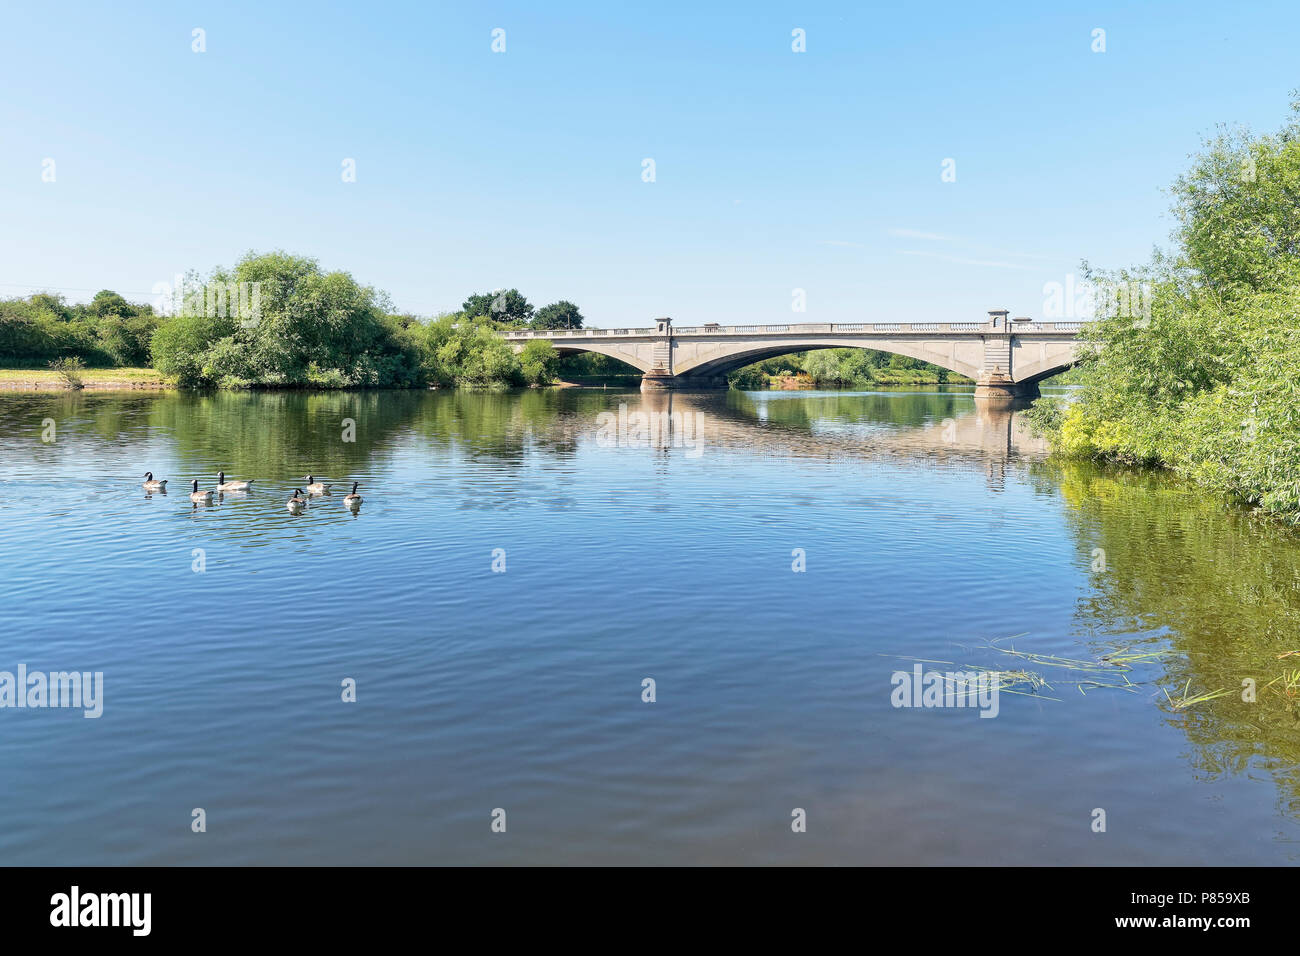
{"x": 806, "y": 328}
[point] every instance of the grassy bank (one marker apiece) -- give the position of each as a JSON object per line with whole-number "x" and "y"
{"x": 18, "y": 379}
{"x": 909, "y": 376}
{"x": 881, "y": 378}
{"x": 600, "y": 381}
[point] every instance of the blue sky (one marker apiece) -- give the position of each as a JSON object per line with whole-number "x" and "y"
{"x": 478, "y": 170}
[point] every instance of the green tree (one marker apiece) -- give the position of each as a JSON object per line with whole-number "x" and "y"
{"x": 107, "y": 302}
{"x": 1238, "y": 209}
{"x": 505, "y": 307}
{"x": 838, "y": 368}
{"x": 856, "y": 368}
{"x": 296, "y": 326}
{"x": 538, "y": 361}
{"x": 181, "y": 347}
{"x": 460, "y": 350}
{"x": 52, "y": 304}
{"x": 1205, "y": 377}
{"x": 106, "y": 331}
{"x": 823, "y": 367}
{"x": 751, "y": 378}
{"x": 558, "y": 315}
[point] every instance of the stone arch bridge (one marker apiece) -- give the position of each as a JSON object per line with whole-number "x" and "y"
{"x": 1006, "y": 357}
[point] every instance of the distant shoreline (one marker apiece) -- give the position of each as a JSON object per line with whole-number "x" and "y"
{"x": 147, "y": 379}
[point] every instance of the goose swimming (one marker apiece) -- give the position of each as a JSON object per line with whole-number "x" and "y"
{"x": 223, "y": 485}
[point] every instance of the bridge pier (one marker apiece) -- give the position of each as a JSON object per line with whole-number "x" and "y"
{"x": 661, "y": 377}
{"x": 657, "y": 380}
{"x": 994, "y": 379}
{"x": 1006, "y": 390}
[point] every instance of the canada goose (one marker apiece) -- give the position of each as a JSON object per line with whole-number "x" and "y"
{"x": 296, "y": 503}
{"x": 317, "y": 487}
{"x": 196, "y": 495}
{"x": 223, "y": 485}
{"x": 353, "y": 500}
{"x": 151, "y": 485}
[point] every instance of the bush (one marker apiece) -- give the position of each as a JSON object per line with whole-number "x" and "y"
{"x": 1207, "y": 380}
{"x": 538, "y": 362}
{"x": 468, "y": 351}
{"x": 106, "y": 332}
{"x": 299, "y": 327}
{"x": 187, "y": 348}
{"x": 839, "y": 368}
{"x": 70, "y": 369}
{"x": 751, "y": 378}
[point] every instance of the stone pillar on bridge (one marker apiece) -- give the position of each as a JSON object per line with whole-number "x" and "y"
{"x": 661, "y": 368}
{"x": 997, "y": 377}
{"x": 662, "y": 374}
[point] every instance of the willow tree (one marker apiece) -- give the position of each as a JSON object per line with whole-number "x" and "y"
{"x": 277, "y": 319}
{"x": 1205, "y": 378}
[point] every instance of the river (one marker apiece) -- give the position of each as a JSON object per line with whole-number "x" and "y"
{"x": 525, "y": 563}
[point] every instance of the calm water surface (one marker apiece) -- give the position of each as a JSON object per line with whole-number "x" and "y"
{"x": 931, "y": 529}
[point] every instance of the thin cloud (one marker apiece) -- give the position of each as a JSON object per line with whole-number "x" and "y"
{"x": 918, "y": 234}
{"x": 1026, "y": 255}
{"x": 939, "y": 237}
{"x": 964, "y": 262}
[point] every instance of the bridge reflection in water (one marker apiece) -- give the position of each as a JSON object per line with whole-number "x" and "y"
{"x": 947, "y": 426}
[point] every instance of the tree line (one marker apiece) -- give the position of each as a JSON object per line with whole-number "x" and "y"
{"x": 107, "y": 331}
{"x": 300, "y": 327}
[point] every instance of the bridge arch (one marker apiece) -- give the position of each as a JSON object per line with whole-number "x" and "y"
{"x": 1035, "y": 361}
{"x": 706, "y": 366}
{"x": 1055, "y": 370}
{"x": 623, "y": 353}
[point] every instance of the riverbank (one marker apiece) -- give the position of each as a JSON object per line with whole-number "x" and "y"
{"x": 598, "y": 381}
{"x": 880, "y": 378}
{"x": 119, "y": 379}
{"x": 100, "y": 379}
{"x": 1193, "y": 368}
